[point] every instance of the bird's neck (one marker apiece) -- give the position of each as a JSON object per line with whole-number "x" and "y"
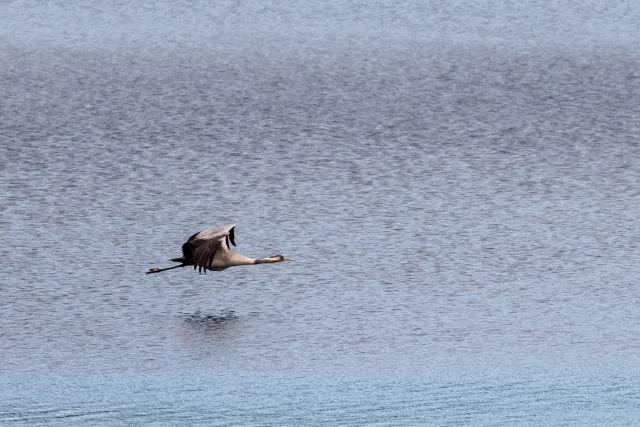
{"x": 264, "y": 260}
{"x": 239, "y": 259}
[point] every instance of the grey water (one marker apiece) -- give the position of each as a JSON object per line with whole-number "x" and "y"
{"x": 459, "y": 183}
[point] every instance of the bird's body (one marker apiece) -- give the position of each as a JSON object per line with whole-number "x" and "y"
{"x": 211, "y": 250}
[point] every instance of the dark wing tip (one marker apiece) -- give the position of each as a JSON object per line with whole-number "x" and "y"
{"x": 194, "y": 236}
{"x": 232, "y": 234}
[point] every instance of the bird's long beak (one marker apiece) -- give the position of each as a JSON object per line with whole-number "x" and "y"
{"x": 284, "y": 258}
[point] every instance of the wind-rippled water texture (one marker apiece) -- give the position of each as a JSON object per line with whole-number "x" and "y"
{"x": 459, "y": 186}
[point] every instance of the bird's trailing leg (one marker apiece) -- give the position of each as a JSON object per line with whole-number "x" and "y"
{"x": 158, "y": 270}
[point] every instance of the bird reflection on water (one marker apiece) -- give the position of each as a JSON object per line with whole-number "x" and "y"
{"x": 211, "y": 322}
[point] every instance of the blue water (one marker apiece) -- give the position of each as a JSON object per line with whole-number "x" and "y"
{"x": 198, "y": 398}
{"x": 457, "y": 182}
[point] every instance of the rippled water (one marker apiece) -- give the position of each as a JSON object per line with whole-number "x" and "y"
{"x": 462, "y": 202}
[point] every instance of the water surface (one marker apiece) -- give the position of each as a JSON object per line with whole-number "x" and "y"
{"x": 461, "y": 199}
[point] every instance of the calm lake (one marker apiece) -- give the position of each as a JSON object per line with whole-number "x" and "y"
{"x": 458, "y": 182}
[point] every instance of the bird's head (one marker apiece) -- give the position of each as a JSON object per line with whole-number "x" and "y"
{"x": 279, "y": 258}
{"x": 273, "y": 258}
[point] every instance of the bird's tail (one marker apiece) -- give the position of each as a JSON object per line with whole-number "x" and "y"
{"x": 181, "y": 259}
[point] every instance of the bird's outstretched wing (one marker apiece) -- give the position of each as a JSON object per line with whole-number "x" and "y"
{"x": 202, "y": 247}
{"x": 216, "y": 233}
